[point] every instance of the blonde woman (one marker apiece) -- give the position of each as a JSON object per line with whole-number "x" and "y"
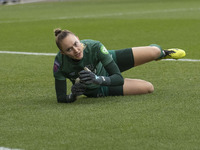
{"x": 95, "y": 71}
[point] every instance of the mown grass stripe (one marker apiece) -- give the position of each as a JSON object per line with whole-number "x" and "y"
{"x": 105, "y": 15}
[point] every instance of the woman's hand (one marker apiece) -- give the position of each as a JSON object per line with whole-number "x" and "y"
{"x": 78, "y": 89}
{"x": 88, "y": 77}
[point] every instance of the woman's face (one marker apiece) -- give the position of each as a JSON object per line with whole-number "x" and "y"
{"x": 72, "y": 47}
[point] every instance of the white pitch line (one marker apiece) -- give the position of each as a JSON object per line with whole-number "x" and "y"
{"x": 5, "y": 148}
{"x": 194, "y": 60}
{"x": 54, "y": 54}
{"x": 103, "y": 15}
{"x": 28, "y": 53}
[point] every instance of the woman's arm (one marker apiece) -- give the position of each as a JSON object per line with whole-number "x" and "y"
{"x": 114, "y": 79}
{"x": 61, "y": 86}
{"x": 114, "y": 74}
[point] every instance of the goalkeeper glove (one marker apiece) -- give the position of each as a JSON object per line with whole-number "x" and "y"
{"x": 78, "y": 89}
{"x": 88, "y": 77}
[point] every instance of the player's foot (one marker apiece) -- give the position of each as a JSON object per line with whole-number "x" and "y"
{"x": 174, "y": 53}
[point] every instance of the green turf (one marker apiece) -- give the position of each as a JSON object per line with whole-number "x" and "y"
{"x": 30, "y": 117}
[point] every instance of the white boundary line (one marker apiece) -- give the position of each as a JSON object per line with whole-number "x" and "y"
{"x": 5, "y": 148}
{"x": 54, "y": 54}
{"x": 28, "y": 53}
{"x": 191, "y": 60}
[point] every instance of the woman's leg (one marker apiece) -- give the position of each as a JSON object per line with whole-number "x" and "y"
{"x": 145, "y": 54}
{"x": 130, "y": 57}
{"x": 136, "y": 86}
{"x": 141, "y": 55}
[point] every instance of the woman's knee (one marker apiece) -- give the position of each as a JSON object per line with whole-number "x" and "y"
{"x": 149, "y": 87}
{"x": 137, "y": 86}
{"x": 146, "y": 88}
{"x": 155, "y": 52}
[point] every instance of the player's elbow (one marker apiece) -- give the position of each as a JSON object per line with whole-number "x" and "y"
{"x": 120, "y": 80}
{"x": 66, "y": 98}
{"x": 65, "y": 101}
{"x": 61, "y": 99}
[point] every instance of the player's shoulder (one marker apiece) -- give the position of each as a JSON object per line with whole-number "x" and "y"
{"x": 90, "y": 42}
{"x": 91, "y": 45}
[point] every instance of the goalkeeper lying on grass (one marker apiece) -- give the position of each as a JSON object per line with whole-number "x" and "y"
{"x": 96, "y": 72}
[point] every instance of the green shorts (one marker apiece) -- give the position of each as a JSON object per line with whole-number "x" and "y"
{"x": 125, "y": 60}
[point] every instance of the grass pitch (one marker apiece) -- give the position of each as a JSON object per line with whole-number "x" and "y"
{"x": 30, "y": 117}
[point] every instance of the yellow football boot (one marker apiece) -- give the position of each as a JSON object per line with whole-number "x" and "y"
{"x": 174, "y": 53}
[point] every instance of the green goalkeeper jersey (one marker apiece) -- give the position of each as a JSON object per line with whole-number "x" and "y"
{"x": 95, "y": 57}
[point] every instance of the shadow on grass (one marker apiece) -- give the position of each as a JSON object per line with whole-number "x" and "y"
{"x": 110, "y": 99}
{"x": 83, "y": 100}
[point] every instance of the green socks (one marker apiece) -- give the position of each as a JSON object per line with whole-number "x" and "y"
{"x": 162, "y": 54}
